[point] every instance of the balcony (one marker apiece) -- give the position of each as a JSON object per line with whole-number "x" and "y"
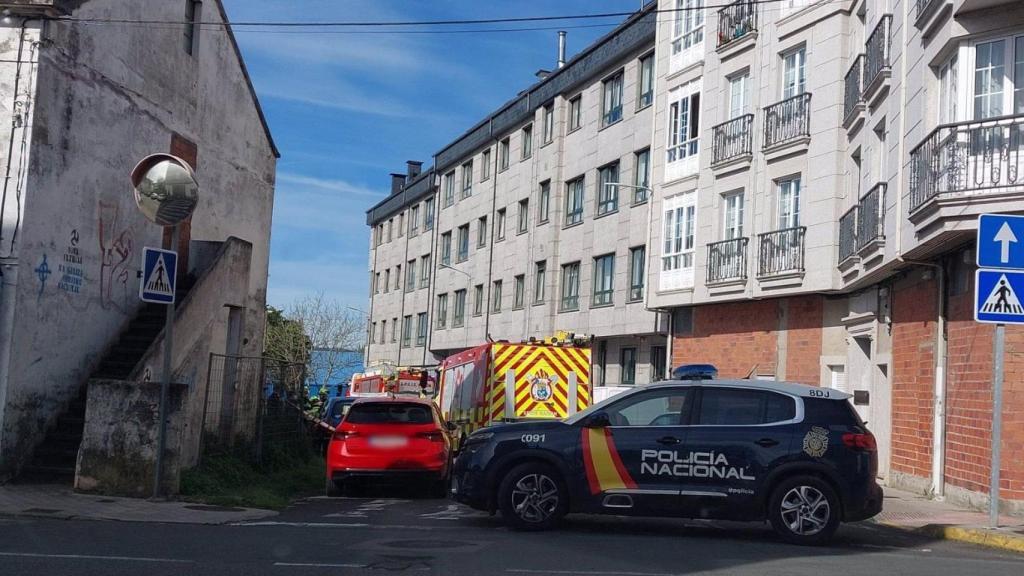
{"x": 871, "y": 218}
{"x": 971, "y": 158}
{"x": 877, "y": 67}
{"x": 727, "y": 261}
{"x": 736, "y": 21}
{"x": 788, "y": 121}
{"x": 848, "y": 234}
{"x": 927, "y": 14}
{"x": 733, "y": 140}
{"x": 853, "y": 95}
{"x": 781, "y": 252}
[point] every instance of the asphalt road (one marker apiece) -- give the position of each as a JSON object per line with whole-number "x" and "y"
{"x": 376, "y": 534}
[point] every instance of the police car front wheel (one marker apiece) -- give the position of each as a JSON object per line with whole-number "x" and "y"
{"x": 532, "y": 496}
{"x": 804, "y": 510}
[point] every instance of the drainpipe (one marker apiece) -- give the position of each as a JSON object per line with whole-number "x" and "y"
{"x": 490, "y": 251}
{"x": 938, "y": 487}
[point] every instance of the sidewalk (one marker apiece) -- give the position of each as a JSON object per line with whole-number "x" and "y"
{"x": 911, "y": 511}
{"x": 58, "y": 501}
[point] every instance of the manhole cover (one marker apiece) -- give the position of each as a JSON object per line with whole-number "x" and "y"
{"x": 213, "y": 508}
{"x": 425, "y": 544}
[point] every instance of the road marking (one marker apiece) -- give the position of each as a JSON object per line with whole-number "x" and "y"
{"x": 590, "y": 572}
{"x": 328, "y": 565}
{"x": 90, "y": 557}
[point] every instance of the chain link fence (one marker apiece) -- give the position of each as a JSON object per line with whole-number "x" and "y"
{"x": 254, "y": 405}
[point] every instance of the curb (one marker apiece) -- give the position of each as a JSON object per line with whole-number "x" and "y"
{"x": 988, "y": 537}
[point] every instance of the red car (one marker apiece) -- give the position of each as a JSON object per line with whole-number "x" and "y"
{"x": 390, "y": 438}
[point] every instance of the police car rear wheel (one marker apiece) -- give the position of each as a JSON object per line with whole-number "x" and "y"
{"x": 804, "y": 510}
{"x": 532, "y": 497}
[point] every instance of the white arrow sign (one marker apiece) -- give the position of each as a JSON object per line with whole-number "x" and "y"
{"x": 1005, "y": 237}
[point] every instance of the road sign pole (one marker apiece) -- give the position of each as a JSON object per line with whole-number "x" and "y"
{"x": 997, "y": 423}
{"x": 165, "y": 378}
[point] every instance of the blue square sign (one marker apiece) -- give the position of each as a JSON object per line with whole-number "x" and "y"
{"x": 1001, "y": 241}
{"x": 998, "y": 295}
{"x": 159, "y": 275}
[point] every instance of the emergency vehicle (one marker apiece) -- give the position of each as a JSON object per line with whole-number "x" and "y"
{"x": 502, "y": 381}
{"x": 380, "y": 382}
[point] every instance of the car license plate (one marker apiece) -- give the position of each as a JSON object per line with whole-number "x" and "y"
{"x": 388, "y": 441}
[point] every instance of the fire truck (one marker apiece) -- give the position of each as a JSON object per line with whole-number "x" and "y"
{"x": 399, "y": 380}
{"x": 502, "y": 382}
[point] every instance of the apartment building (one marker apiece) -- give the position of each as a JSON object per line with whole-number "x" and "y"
{"x": 539, "y": 220}
{"x": 818, "y": 227}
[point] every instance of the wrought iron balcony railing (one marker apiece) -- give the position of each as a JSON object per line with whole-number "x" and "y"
{"x": 848, "y": 234}
{"x": 781, "y": 251}
{"x": 787, "y": 120}
{"x": 736, "y": 21}
{"x": 733, "y": 138}
{"x": 871, "y": 216}
{"x": 968, "y": 157}
{"x": 727, "y": 260}
{"x": 877, "y": 51}
{"x": 854, "y": 86}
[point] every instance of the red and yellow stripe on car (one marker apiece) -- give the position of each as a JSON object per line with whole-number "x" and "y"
{"x": 603, "y": 465}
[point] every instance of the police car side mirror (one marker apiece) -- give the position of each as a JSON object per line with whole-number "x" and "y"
{"x": 451, "y": 426}
{"x": 598, "y": 420}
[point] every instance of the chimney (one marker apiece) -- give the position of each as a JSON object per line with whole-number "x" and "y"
{"x": 561, "y": 48}
{"x": 397, "y": 183}
{"x": 413, "y": 169}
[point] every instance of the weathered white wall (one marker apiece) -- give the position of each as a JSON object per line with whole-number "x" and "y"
{"x": 109, "y": 95}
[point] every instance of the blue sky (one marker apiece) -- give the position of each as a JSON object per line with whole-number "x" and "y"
{"x": 348, "y": 109}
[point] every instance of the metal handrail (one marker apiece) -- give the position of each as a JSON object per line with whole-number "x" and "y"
{"x": 736, "y": 21}
{"x": 727, "y": 260}
{"x": 787, "y": 119}
{"x": 732, "y": 138}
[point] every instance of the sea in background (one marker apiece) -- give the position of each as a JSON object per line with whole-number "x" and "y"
{"x": 353, "y": 363}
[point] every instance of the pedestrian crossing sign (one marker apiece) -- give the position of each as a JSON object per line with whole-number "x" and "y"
{"x": 998, "y": 295}
{"x": 159, "y": 275}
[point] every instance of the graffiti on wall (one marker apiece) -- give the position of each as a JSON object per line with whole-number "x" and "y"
{"x": 70, "y": 269}
{"x": 116, "y": 248}
{"x": 43, "y": 273}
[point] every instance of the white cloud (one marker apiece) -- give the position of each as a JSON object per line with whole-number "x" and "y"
{"x": 328, "y": 184}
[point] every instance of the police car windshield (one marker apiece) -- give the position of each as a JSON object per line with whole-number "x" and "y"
{"x": 599, "y": 406}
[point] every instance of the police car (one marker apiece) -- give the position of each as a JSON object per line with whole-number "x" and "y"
{"x": 796, "y": 455}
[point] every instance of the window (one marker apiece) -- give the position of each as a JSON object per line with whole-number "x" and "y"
{"x": 990, "y": 76}
{"x": 485, "y": 165}
{"x": 539, "y": 280}
{"x": 678, "y": 249}
{"x": 549, "y": 124}
{"x": 544, "y": 205}
{"x": 739, "y": 95}
{"x": 401, "y": 224}
{"x": 421, "y": 328}
{"x": 608, "y": 190}
{"x": 524, "y": 215}
{"x": 948, "y": 91}
{"x": 794, "y": 81}
{"x": 449, "y": 189}
{"x": 387, "y": 280}
{"x": 407, "y": 332}
{"x": 575, "y": 113}
{"x": 646, "y": 82}
{"x": 478, "y": 299}
{"x": 193, "y": 14}
{"x": 383, "y": 330}
{"x": 380, "y": 234}
{"x": 410, "y": 276}
{"x": 481, "y": 232}
{"x": 503, "y": 147}
{"x": 467, "y": 179}
{"x": 627, "y": 361}
{"x": 428, "y": 214}
{"x": 391, "y": 225}
{"x": 463, "y": 239}
{"x": 398, "y": 278}
{"x": 655, "y": 408}
{"x": 501, "y": 224}
{"x": 657, "y": 363}
{"x": 446, "y": 249}
{"x": 688, "y": 25}
{"x": 519, "y": 291}
{"x": 441, "y": 313}
{"x": 604, "y": 279}
{"x": 425, "y": 271}
{"x": 733, "y": 212}
{"x": 527, "y": 141}
{"x": 460, "y": 308}
{"x": 394, "y": 330}
{"x": 789, "y": 203}
{"x": 739, "y": 407}
{"x": 574, "y": 201}
{"x": 641, "y": 175}
{"x": 637, "y": 264}
{"x": 611, "y": 100}
{"x": 414, "y": 220}
{"x": 496, "y": 296}
{"x": 571, "y": 286}
{"x": 373, "y": 333}
{"x": 376, "y": 283}
{"x": 684, "y": 129}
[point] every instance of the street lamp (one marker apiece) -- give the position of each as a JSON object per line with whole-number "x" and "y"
{"x": 466, "y": 274}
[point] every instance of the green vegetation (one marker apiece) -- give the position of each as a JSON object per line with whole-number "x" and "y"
{"x": 232, "y": 480}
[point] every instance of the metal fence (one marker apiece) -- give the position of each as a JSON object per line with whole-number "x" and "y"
{"x": 252, "y": 404}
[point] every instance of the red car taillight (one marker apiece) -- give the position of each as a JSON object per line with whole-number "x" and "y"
{"x": 860, "y": 442}
{"x": 433, "y": 436}
{"x": 344, "y": 434}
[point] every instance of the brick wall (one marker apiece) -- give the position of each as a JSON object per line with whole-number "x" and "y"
{"x": 913, "y": 362}
{"x": 740, "y": 337}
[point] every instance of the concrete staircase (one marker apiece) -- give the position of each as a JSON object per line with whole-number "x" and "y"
{"x": 55, "y": 458}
